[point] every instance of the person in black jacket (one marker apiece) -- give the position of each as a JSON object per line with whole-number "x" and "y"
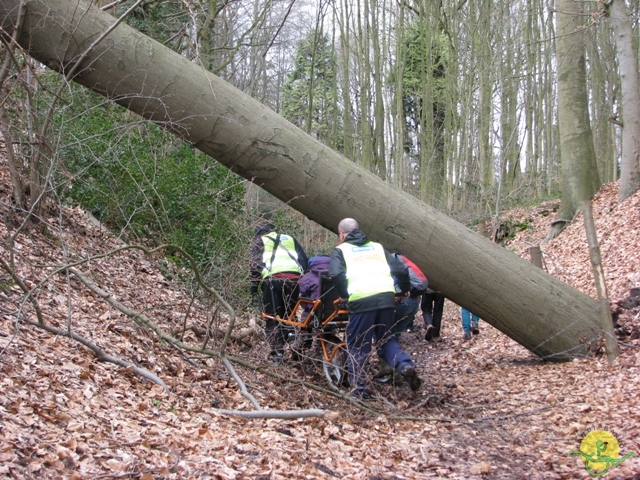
{"x": 432, "y": 306}
{"x": 277, "y": 262}
{"x": 363, "y": 274}
{"x": 407, "y": 308}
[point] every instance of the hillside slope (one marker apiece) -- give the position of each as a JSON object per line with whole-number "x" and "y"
{"x": 488, "y": 407}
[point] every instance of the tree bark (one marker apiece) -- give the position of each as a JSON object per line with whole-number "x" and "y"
{"x": 345, "y": 61}
{"x": 536, "y": 256}
{"x": 628, "y": 68}
{"x": 546, "y": 316}
{"x": 397, "y": 167}
{"x": 610, "y": 341}
{"x": 379, "y": 56}
{"x": 580, "y": 179}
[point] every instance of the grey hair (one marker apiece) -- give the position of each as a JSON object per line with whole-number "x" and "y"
{"x": 347, "y": 225}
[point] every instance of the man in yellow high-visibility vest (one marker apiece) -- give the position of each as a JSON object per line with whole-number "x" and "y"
{"x": 278, "y": 261}
{"x": 363, "y": 274}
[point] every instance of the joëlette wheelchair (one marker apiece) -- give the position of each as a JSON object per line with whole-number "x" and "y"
{"x": 326, "y": 322}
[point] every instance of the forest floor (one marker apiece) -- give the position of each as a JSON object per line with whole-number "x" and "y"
{"x": 488, "y": 407}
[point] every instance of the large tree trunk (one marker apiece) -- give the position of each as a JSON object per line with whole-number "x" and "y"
{"x": 548, "y": 317}
{"x": 628, "y": 68}
{"x": 580, "y": 179}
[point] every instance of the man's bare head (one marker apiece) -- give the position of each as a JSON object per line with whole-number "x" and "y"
{"x": 347, "y": 225}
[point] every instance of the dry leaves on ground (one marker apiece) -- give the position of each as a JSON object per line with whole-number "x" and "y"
{"x": 488, "y": 409}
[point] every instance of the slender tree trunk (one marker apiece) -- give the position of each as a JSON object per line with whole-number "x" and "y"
{"x": 365, "y": 95}
{"x": 509, "y": 75}
{"x": 451, "y": 95}
{"x": 379, "y": 153}
{"x": 551, "y": 134}
{"x": 628, "y": 67}
{"x": 425, "y": 108}
{"x": 205, "y": 32}
{"x": 483, "y": 43}
{"x": 604, "y": 97}
{"x": 15, "y": 164}
{"x": 345, "y": 49}
{"x": 531, "y": 46}
{"x": 545, "y": 315}
{"x": 610, "y": 340}
{"x": 398, "y": 157}
{"x": 435, "y": 107}
{"x": 312, "y": 73}
{"x": 334, "y": 101}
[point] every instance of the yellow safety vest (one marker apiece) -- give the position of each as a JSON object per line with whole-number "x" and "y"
{"x": 285, "y": 258}
{"x": 368, "y": 272}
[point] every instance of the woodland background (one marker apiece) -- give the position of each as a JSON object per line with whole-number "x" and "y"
{"x": 457, "y": 103}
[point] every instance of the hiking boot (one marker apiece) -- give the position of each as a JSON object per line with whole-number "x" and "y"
{"x": 467, "y": 335}
{"x": 393, "y": 378}
{"x": 384, "y": 371}
{"x": 428, "y": 336}
{"x": 411, "y": 376}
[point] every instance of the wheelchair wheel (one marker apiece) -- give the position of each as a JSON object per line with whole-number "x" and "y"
{"x": 336, "y": 369}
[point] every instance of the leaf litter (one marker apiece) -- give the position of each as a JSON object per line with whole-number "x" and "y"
{"x": 488, "y": 408}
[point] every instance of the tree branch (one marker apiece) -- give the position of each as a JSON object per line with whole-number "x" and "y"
{"x": 140, "y": 317}
{"x": 286, "y": 414}
{"x": 100, "y": 354}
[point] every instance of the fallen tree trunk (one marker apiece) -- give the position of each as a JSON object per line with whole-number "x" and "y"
{"x": 540, "y": 312}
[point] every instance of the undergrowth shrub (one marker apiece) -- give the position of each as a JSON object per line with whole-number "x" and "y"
{"x": 151, "y": 187}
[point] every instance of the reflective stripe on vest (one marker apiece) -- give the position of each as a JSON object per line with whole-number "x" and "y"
{"x": 368, "y": 272}
{"x": 285, "y": 258}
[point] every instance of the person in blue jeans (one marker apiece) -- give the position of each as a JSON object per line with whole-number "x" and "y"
{"x": 406, "y": 308}
{"x": 362, "y": 272}
{"x": 469, "y": 324}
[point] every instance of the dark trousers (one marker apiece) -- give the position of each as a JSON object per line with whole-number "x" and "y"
{"x": 279, "y": 296}
{"x": 432, "y": 306}
{"x": 362, "y": 329}
{"x": 404, "y": 313}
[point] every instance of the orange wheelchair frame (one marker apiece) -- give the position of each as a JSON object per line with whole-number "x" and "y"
{"x": 327, "y": 319}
